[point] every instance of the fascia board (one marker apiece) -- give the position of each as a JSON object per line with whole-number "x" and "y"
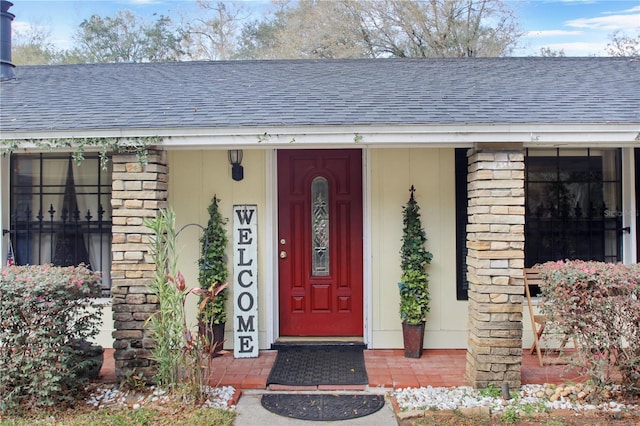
{"x": 609, "y": 134}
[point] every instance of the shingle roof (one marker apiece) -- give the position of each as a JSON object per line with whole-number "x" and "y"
{"x": 327, "y": 92}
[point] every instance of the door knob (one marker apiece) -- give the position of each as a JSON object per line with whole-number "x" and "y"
{"x": 283, "y": 254}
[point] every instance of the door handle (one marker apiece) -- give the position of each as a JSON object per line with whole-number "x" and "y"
{"x": 283, "y": 254}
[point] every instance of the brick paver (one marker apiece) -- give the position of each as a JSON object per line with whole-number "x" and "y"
{"x": 386, "y": 368}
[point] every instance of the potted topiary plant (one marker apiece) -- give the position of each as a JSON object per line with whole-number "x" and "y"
{"x": 414, "y": 283}
{"x": 213, "y": 274}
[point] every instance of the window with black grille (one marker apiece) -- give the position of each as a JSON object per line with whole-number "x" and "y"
{"x": 573, "y": 205}
{"x": 60, "y": 212}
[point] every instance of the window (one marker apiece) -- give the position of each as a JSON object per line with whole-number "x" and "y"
{"x": 60, "y": 213}
{"x": 572, "y": 200}
{"x": 462, "y": 201}
{"x": 320, "y": 226}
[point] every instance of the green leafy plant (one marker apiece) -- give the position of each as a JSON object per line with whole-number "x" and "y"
{"x": 414, "y": 283}
{"x": 182, "y": 355}
{"x": 597, "y": 304}
{"x": 45, "y": 312}
{"x": 213, "y": 266}
{"x": 166, "y": 324}
{"x": 137, "y": 145}
{"x": 132, "y": 381}
{"x": 490, "y": 391}
{"x": 510, "y": 415}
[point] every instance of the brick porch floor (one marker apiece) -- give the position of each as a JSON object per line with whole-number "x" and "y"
{"x": 387, "y": 368}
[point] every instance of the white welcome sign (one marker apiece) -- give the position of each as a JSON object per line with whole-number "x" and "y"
{"x": 245, "y": 281}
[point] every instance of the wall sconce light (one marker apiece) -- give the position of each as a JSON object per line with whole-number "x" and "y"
{"x": 235, "y": 159}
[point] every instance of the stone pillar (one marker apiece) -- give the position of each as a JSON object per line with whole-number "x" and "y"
{"x": 137, "y": 193}
{"x": 495, "y": 243}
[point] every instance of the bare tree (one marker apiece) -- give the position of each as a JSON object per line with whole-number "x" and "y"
{"x": 624, "y": 45}
{"x": 297, "y": 29}
{"x": 383, "y": 28}
{"x": 437, "y": 28}
{"x": 33, "y": 47}
{"x": 547, "y": 52}
{"x": 216, "y": 36}
{"x": 303, "y": 29}
{"x": 318, "y": 29}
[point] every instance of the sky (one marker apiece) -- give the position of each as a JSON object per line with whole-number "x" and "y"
{"x": 579, "y": 27}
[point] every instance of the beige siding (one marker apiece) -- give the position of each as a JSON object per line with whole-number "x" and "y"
{"x": 431, "y": 171}
{"x": 104, "y": 337}
{"x": 194, "y": 178}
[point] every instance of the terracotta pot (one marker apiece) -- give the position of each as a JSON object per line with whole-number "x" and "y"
{"x": 413, "y": 336}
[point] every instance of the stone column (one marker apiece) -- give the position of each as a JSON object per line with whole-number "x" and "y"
{"x": 495, "y": 243}
{"x": 137, "y": 193}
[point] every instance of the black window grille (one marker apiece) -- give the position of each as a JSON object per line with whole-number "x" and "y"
{"x": 60, "y": 212}
{"x": 572, "y": 202}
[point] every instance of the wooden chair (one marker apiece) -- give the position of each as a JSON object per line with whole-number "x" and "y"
{"x": 539, "y": 322}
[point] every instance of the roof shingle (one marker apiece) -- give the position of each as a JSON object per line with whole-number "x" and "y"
{"x": 322, "y": 92}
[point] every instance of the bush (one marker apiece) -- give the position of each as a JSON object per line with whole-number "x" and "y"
{"x": 213, "y": 267}
{"x": 182, "y": 356}
{"x": 45, "y": 311}
{"x": 598, "y": 305}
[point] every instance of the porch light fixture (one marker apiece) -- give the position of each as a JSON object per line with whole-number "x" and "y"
{"x": 235, "y": 159}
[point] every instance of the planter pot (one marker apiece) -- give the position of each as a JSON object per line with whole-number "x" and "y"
{"x": 413, "y": 336}
{"x": 88, "y": 359}
{"x": 218, "y": 337}
{"x": 215, "y": 335}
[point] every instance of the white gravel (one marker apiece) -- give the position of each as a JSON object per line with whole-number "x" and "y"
{"x": 111, "y": 395}
{"x": 536, "y": 398}
{"x": 531, "y": 398}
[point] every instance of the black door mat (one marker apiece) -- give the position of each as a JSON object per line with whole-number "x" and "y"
{"x": 325, "y": 407}
{"x": 308, "y": 365}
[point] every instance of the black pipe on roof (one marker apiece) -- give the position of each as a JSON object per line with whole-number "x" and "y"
{"x": 6, "y": 66}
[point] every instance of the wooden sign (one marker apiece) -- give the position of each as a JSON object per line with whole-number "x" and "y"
{"x": 245, "y": 281}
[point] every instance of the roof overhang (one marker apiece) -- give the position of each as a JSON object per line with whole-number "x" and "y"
{"x": 387, "y": 136}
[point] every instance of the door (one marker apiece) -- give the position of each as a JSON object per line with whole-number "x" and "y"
{"x": 320, "y": 242}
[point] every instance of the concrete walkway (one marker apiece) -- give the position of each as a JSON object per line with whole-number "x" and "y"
{"x": 251, "y": 413}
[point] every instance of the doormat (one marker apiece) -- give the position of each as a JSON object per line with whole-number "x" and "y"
{"x": 325, "y": 407}
{"x": 309, "y": 365}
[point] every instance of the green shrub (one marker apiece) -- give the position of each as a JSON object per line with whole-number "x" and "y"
{"x": 213, "y": 266}
{"x": 598, "y": 305}
{"x": 414, "y": 257}
{"x": 44, "y": 311}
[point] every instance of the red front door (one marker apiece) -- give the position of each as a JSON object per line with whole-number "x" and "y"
{"x": 320, "y": 242}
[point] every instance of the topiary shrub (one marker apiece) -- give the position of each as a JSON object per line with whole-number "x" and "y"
{"x": 44, "y": 311}
{"x": 414, "y": 258}
{"x": 598, "y": 305}
{"x": 213, "y": 265}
